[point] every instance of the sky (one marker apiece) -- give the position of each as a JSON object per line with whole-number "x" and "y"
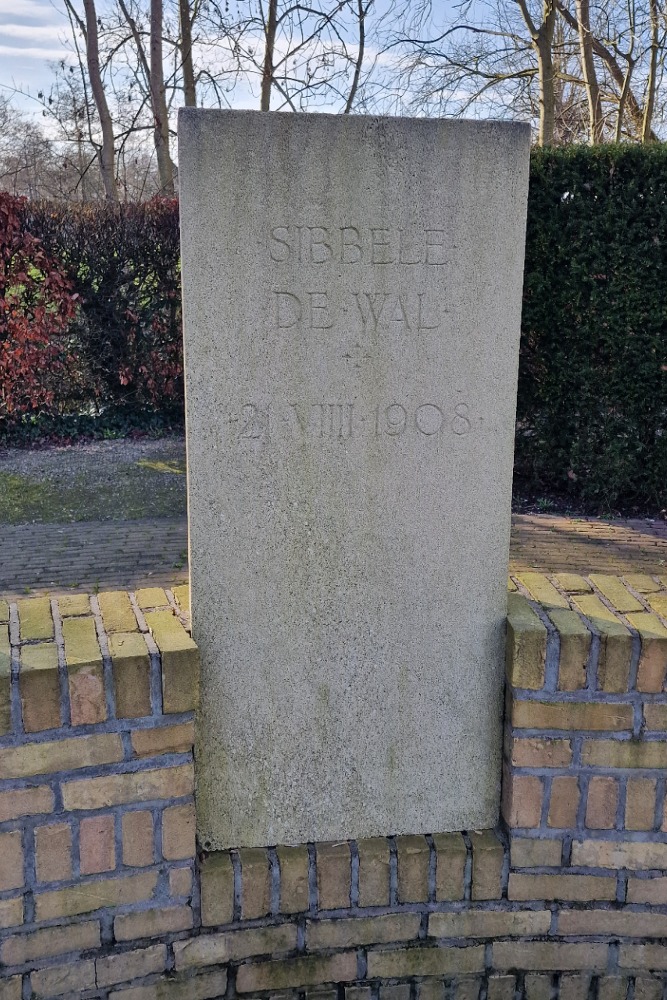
{"x": 32, "y": 34}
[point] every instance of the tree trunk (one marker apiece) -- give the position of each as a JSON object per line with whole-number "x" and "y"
{"x": 361, "y": 15}
{"x": 543, "y": 45}
{"x": 189, "y": 87}
{"x": 159, "y": 103}
{"x": 107, "y": 153}
{"x": 267, "y": 74}
{"x": 652, "y": 74}
{"x": 632, "y": 107}
{"x": 588, "y": 70}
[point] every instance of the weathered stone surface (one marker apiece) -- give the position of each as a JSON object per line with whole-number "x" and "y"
{"x": 352, "y": 291}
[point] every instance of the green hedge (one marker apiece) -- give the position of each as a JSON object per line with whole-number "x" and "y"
{"x": 592, "y": 408}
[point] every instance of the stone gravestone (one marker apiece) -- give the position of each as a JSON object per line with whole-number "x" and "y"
{"x": 352, "y": 294}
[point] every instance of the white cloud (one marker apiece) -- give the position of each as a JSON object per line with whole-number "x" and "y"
{"x": 35, "y": 10}
{"x": 33, "y": 53}
{"x": 32, "y": 32}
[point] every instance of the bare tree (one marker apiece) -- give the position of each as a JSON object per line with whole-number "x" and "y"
{"x": 107, "y": 148}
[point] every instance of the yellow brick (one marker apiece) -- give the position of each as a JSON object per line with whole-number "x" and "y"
{"x": 35, "y": 618}
{"x": 356, "y": 932}
{"x": 451, "y": 853}
{"x": 151, "y": 597}
{"x": 642, "y": 583}
{"x": 131, "y": 674}
{"x": 117, "y": 613}
{"x": 626, "y": 753}
{"x": 653, "y": 658}
{"x": 81, "y": 645}
{"x": 48, "y": 942}
{"x": 152, "y": 923}
{"x": 88, "y": 896}
{"x": 127, "y": 965}
{"x": 617, "y": 595}
{"x": 84, "y": 671}
{"x": 614, "y": 657}
{"x": 573, "y": 888}
{"x": 652, "y": 957}
{"x": 74, "y": 604}
{"x": 217, "y": 889}
{"x": 180, "y": 661}
{"x": 593, "y": 608}
{"x": 182, "y": 595}
{"x": 11, "y": 912}
{"x": 11, "y": 988}
{"x": 526, "y": 645}
{"x": 5, "y": 681}
{"x": 488, "y": 924}
{"x": 234, "y": 946}
{"x": 659, "y": 604}
{"x": 39, "y": 687}
{"x": 656, "y": 716}
{"x": 163, "y": 739}
{"x": 619, "y": 854}
{"x": 297, "y": 972}
{"x": 139, "y": 786}
{"x": 575, "y": 643}
{"x": 413, "y": 855}
{"x": 60, "y": 755}
{"x": 549, "y": 955}
{"x": 613, "y": 922}
{"x": 429, "y": 961}
{"x": 572, "y": 583}
{"x": 294, "y": 864}
{"x": 542, "y": 591}
{"x": 572, "y": 715}
{"x": 487, "y": 864}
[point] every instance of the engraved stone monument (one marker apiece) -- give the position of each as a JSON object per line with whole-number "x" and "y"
{"x": 352, "y": 295}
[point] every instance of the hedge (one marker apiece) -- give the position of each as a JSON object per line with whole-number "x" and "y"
{"x": 592, "y": 406}
{"x": 592, "y": 403}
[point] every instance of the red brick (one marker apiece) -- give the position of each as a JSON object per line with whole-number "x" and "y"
{"x": 53, "y": 852}
{"x": 96, "y": 844}
{"x": 137, "y": 832}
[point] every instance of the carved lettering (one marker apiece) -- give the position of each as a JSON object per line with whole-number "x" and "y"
{"x": 350, "y": 244}
{"x": 255, "y": 422}
{"x": 311, "y": 312}
{"x": 345, "y": 421}
{"x": 406, "y": 312}
{"x": 428, "y": 418}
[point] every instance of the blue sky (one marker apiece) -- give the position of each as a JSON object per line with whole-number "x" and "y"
{"x": 33, "y": 34}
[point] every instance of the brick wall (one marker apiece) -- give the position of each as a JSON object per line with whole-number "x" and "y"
{"x": 102, "y": 895}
